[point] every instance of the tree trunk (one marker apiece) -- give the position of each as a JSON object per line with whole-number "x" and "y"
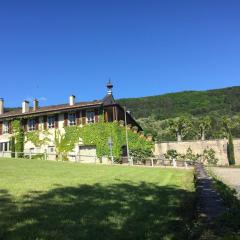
{"x": 203, "y": 136}
{"x": 230, "y": 150}
{"x": 179, "y": 137}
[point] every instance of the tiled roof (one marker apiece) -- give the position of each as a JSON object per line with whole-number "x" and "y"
{"x": 53, "y": 108}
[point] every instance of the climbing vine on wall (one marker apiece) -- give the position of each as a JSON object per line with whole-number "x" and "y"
{"x": 65, "y": 142}
{"x": 93, "y": 134}
{"x": 38, "y": 138}
{"x": 97, "y": 135}
{"x": 18, "y": 135}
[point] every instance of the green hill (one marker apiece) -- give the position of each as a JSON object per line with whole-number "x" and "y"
{"x": 154, "y": 112}
{"x": 197, "y": 103}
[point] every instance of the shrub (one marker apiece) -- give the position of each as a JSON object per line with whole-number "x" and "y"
{"x": 209, "y": 156}
{"x": 141, "y": 153}
{"x": 171, "y": 154}
{"x": 191, "y": 156}
{"x": 230, "y": 150}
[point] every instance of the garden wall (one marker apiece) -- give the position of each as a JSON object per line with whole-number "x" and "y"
{"x": 219, "y": 146}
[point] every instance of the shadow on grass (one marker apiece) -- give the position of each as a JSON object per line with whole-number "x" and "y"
{"x": 117, "y": 211}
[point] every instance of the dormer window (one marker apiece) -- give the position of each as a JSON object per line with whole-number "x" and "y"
{"x": 51, "y": 121}
{"x": 5, "y": 127}
{"x": 31, "y": 124}
{"x": 90, "y": 117}
{"x": 71, "y": 119}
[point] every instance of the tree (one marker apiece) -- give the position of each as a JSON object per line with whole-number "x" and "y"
{"x": 190, "y": 155}
{"x": 230, "y": 150}
{"x": 180, "y": 126}
{"x": 228, "y": 124}
{"x": 203, "y": 124}
{"x": 209, "y": 156}
{"x": 171, "y": 154}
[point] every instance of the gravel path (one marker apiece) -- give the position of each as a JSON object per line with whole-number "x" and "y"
{"x": 230, "y": 176}
{"x": 210, "y": 204}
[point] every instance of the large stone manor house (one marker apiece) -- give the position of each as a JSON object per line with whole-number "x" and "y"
{"x": 59, "y": 116}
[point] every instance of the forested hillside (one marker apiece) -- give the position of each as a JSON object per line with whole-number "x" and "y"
{"x": 196, "y": 103}
{"x": 157, "y": 114}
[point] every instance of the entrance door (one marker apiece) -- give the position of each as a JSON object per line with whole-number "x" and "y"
{"x": 87, "y": 153}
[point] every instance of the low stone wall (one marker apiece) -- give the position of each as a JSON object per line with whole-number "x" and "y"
{"x": 236, "y": 143}
{"x": 219, "y": 146}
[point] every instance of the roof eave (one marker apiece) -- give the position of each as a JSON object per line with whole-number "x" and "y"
{"x": 55, "y": 111}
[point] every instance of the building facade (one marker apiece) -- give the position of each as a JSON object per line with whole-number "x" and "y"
{"x": 55, "y": 117}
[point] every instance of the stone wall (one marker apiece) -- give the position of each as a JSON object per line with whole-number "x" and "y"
{"x": 236, "y": 143}
{"x": 219, "y": 146}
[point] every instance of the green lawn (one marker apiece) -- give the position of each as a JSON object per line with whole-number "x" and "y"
{"x": 56, "y": 200}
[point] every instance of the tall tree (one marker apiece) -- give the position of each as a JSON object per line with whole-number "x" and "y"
{"x": 228, "y": 124}
{"x": 230, "y": 150}
{"x": 203, "y": 124}
{"x": 180, "y": 126}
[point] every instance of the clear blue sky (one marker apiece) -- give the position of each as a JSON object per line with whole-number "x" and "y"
{"x": 51, "y": 49}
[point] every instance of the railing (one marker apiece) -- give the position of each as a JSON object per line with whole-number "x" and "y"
{"x": 79, "y": 158}
{"x": 50, "y": 156}
{"x": 199, "y": 140}
{"x": 154, "y": 162}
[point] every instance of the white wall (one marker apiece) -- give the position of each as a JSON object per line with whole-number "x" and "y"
{"x": 219, "y": 146}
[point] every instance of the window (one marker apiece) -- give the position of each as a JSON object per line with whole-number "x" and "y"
{"x": 5, "y": 127}
{"x": 31, "y": 150}
{"x": 90, "y": 117}
{"x": 31, "y": 124}
{"x": 51, "y": 121}
{"x": 51, "y": 149}
{"x": 4, "y": 146}
{"x": 72, "y": 119}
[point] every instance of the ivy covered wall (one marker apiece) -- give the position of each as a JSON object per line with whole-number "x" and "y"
{"x": 93, "y": 134}
{"x": 18, "y": 136}
{"x": 98, "y": 134}
{"x": 37, "y": 137}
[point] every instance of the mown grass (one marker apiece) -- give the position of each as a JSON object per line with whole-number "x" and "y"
{"x": 50, "y": 200}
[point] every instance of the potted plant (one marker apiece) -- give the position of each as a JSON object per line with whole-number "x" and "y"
{"x": 121, "y": 123}
{"x": 141, "y": 134}
{"x": 129, "y": 126}
{"x": 149, "y": 137}
{"x": 135, "y": 129}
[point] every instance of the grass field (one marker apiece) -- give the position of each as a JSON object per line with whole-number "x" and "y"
{"x": 56, "y": 200}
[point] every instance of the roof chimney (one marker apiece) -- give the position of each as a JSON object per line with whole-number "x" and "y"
{"x": 1, "y": 106}
{"x": 72, "y": 100}
{"x": 25, "y": 106}
{"x": 110, "y": 87}
{"x": 35, "y": 104}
